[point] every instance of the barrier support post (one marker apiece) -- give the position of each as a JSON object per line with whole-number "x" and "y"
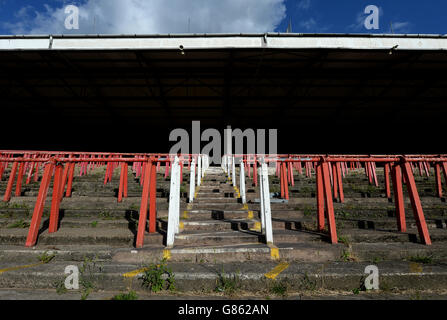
{"x": 416, "y": 204}
{"x": 320, "y": 197}
{"x": 242, "y": 181}
{"x": 174, "y": 204}
{"x": 438, "y": 180}
{"x": 329, "y": 202}
{"x": 192, "y": 180}
{"x": 12, "y": 176}
{"x": 56, "y": 198}
{"x": 153, "y": 198}
{"x": 40, "y": 203}
{"x": 399, "y": 198}
{"x": 143, "y": 206}
{"x": 70, "y": 179}
{"x": 19, "y": 180}
{"x": 387, "y": 180}
{"x": 125, "y": 180}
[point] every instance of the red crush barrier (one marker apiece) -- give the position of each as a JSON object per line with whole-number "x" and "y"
{"x": 40, "y": 203}
{"x": 143, "y": 206}
{"x": 7, "y": 196}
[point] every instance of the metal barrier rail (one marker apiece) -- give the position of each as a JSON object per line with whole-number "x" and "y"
{"x": 174, "y": 193}
{"x": 229, "y": 166}
{"x": 62, "y": 169}
{"x": 330, "y": 171}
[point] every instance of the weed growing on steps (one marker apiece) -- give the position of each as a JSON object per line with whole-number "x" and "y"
{"x": 60, "y": 287}
{"x": 21, "y": 224}
{"x": 131, "y": 295}
{"x": 228, "y": 284}
{"x": 344, "y": 239}
{"x": 308, "y": 211}
{"x": 15, "y": 205}
{"x": 308, "y": 284}
{"x": 158, "y": 277}
{"x": 376, "y": 260}
{"x": 45, "y": 257}
{"x": 275, "y": 188}
{"x": 88, "y": 275}
{"x": 421, "y": 259}
{"x": 361, "y": 286}
{"x": 94, "y": 224}
{"x": 279, "y": 288}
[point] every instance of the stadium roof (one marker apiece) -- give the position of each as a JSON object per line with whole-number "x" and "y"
{"x": 94, "y": 87}
{"x": 224, "y": 41}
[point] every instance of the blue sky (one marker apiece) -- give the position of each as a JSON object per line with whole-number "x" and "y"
{"x": 179, "y": 16}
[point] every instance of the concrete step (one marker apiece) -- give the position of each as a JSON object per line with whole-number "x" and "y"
{"x": 205, "y": 214}
{"x": 79, "y": 236}
{"x": 214, "y": 200}
{"x": 250, "y": 277}
{"x": 392, "y": 235}
{"x": 206, "y": 237}
{"x": 78, "y": 202}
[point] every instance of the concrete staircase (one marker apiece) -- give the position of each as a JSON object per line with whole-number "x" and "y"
{"x": 219, "y": 232}
{"x": 217, "y": 226}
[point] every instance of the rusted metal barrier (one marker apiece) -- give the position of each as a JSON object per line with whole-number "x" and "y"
{"x": 330, "y": 170}
{"x": 62, "y": 169}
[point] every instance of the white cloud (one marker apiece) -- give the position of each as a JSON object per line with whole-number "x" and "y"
{"x": 401, "y": 27}
{"x": 156, "y": 16}
{"x": 303, "y": 4}
{"x": 308, "y": 24}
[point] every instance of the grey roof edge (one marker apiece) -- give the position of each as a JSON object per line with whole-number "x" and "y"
{"x": 214, "y": 35}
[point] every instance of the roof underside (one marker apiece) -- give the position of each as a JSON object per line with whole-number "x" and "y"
{"x": 95, "y": 96}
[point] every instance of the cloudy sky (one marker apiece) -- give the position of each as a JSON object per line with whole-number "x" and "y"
{"x": 214, "y": 16}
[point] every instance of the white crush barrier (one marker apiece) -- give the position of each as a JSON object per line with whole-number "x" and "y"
{"x": 199, "y": 170}
{"x": 192, "y": 180}
{"x": 242, "y": 181}
{"x": 174, "y": 193}
{"x": 174, "y": 204}
{"x": 266, "y": 213}
{"x": 233, "y": 172}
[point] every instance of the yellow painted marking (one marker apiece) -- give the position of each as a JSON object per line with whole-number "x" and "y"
{"x": 250, "y": 215}
{"x": 257, "y": 225}
{"x": 20, "y": 267}
{"x": 185, "y": 214}
{"x": 237, "y": 191}
{"x": 245, "y": 207}
{"x": 132, "y": 274}
{"x": 277, "y": 270}
{"x": 181, "y": 225}
{"x": 166, "y": 254}
{"x": 274, "y": 253}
